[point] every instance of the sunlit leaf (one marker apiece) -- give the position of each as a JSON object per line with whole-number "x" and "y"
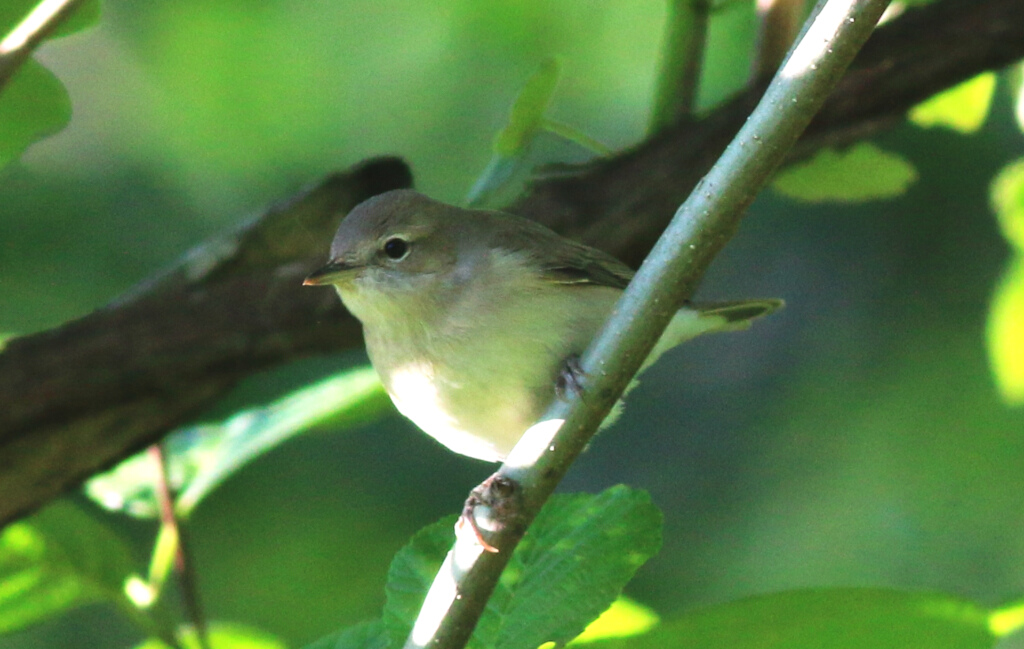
{"x": 1005, "y": 330}
{"x": 1007, "y": 619}
{"x": 130, "y": 487}
{"x": 199, "y": 458}
{"x": 962, "y": 108}
{"x": 829, "y": 619}
{"x": 861, "y": 173}
{"x": 58, "y": 559}
{"x": 570, "y": 567}
{"x": 1008, "y": 202}
{"x": 1005, "y": 334}
{"x": 623, "y": 619}
{"x": 222, "y": 635}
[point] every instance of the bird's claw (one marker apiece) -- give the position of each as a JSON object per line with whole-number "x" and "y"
{"x": 501, "y": 496}
{"x": 570, "y": 378}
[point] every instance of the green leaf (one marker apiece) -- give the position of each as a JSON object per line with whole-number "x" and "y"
{"x": 830, "y": 619}
{"x": 1004, "y": 334}
{"x": 571, "y": 566}
{"x": 222, "y": 635}
{"x": 34, "y": 103}
{"x": 1017, "y": 76}
{"x": 861, "y": 173}
{"x": 201, "y": 457}
{"x": 56, "y": 560}
{"x": 527, "y": 116}
{"x": 962, "y": 108}
{"x": 410, "y": 575}
{"x": 525, "y": 122}
{"x": 366, "y": 635}
{"x": 582, "y": 551}
{"x": 1007, "y": 195}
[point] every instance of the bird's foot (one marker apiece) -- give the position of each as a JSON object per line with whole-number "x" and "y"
{"x": 570, "y": 378}
{"x": 500, "y": 497}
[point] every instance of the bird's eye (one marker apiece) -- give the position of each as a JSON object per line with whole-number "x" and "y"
{"x": 396, "y": 248}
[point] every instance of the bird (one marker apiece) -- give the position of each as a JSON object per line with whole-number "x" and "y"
{"x": 473, "y": 318}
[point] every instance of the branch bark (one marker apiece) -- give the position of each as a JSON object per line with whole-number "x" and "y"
{"x": 81, "y": 397}
{"x": 698, "y": 231}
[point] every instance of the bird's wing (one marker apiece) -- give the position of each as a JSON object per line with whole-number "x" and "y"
{"x": 560, "y": 260}
{"x": 584, "y": 265}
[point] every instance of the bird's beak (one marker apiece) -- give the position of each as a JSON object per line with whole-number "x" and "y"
{"x": 335, "y": 271}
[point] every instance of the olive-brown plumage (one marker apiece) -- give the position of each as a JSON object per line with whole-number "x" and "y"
{"x": 470, "y": 315}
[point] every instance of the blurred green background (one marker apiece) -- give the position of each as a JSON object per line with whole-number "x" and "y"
{"x": 856, "y": 438}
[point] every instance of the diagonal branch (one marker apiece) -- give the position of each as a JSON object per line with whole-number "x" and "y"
{"x": 697, "y": 232}
{"x": 86, "y": 394}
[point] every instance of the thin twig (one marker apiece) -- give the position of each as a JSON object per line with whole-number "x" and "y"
{"x": 778, "y": 25}
{"x": 686, "y": 35}
{"x": 18, "y": 45}
{"x": 697, "y": 232}
{"x": 184, "y": 567}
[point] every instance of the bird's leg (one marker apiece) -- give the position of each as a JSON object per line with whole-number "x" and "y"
{"x": 500, "y": 496}
{"x": 570, "y": 378}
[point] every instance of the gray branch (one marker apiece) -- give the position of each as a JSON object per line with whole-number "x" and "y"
{"x": 697, "y": 232}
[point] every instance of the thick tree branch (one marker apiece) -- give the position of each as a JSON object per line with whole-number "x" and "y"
{"x": 82, "y": 396}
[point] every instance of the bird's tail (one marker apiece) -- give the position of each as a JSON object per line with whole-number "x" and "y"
{"x": 695, "y": 319}
{"x": 737, "y": 314}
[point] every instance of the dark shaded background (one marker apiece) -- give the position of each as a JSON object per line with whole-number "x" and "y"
{"x": 855, "y": 438}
